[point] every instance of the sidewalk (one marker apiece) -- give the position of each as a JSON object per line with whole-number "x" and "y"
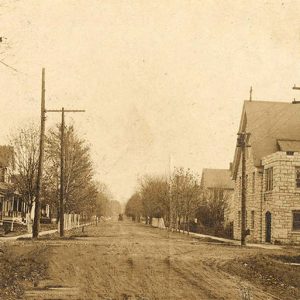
{"x": 235, "y": 242}
{"x": 26, "y": 235}
{"x": 29, "y": 235}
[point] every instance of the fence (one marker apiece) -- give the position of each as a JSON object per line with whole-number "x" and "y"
{"x": 71, "y": 221}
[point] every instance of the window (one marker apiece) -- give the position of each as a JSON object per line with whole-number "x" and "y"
{"x": 296, "y": 220}
{"x": 252, "y": 219}
{"x": 216, "y": 194}
{"x": 2, "y": 174}
{"x": 253, "y": 182}
{"x": 269, "y": 179}
{"x": 239, "y": 218}
{"x": 221, "y": 194}
{"x": 298, "y": 177}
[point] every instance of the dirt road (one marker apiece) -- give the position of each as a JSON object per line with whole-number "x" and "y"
{"x": 125, "y": 260}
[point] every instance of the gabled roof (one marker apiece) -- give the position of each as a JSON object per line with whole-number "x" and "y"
{"x": 268, "y": 122}
{"x": 6, "y": 156}
{"x": 216, "y": 178}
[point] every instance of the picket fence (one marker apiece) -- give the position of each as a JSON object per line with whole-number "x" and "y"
{"x": 70, "y": 221}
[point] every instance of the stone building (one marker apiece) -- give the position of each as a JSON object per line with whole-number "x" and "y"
{"x": 272, "y": 172}
{"x": 217, "y": 183}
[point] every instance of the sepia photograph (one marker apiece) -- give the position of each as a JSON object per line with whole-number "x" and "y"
{"x": 150, "y": 149}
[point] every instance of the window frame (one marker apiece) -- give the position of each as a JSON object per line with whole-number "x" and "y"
{"x": 252, "y": 219}
{"x": 269, "y": 179}
{"x": 2, "y": 174}
{"x": 297, "y": 169}
{"x": 297, "y": 229}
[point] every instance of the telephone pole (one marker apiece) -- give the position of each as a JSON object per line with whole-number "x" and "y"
{"x": 37, "y": 209}
{"x": 242, "y": 143}
{"x": 62, "y": 166}
{"x": 62, "y": 175}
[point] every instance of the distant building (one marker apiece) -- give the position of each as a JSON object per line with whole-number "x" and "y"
{"x": 272, "y": 172}
{"x": 217, "y": 184}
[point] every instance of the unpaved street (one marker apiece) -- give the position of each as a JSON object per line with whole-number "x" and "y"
{"x": 125, "y": 260}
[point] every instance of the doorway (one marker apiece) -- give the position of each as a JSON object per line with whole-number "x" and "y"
{"x": 268, "y": 226}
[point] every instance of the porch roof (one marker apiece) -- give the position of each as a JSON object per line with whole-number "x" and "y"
{"x": 7, "y": 188}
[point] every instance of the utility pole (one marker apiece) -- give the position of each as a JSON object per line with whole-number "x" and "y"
{"x": 62, "y": 166}
{"x": 37, "y": 209}
{"x": 62, "y": 175}
{"x": 242, "y": 143}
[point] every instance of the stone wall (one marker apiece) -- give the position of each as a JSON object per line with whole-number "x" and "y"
{"x": 253, "y": 200}
{"x": 281, "y": 201}
{"x": 285, "y": 196}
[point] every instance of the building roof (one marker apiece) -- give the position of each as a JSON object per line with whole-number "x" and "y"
{"x": 289, "y": 145}
{"x": 6, "y": 156}
{"x": 269, "y": 123}
{"x": 7, "y": 188}
{"x": 217, "y": 178}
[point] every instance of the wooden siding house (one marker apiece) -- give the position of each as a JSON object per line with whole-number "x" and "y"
{"x": 12, "y": 207}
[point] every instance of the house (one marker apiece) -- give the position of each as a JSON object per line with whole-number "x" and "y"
{"x": 12, "y": 207}
{"x": 272, "y": 172}
{"x": 217, "y": 184}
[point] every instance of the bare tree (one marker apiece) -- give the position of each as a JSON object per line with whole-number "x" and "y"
{"x": 213, "y": 206}
{"x": 134, "y": 207}
{"x": 185, "y": 197}
{"x": 154, "y": 191}
{"x": 80, "y": 190}
{"x": 25, "y": 142}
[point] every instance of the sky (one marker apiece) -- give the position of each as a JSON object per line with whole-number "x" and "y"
{"x": 158, "y": 79}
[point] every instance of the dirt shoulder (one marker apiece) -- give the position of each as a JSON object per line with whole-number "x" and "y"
{"x": 124, "y": 260}
{"x": 272, "y": 272}
{"x": 22, "y": 266}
